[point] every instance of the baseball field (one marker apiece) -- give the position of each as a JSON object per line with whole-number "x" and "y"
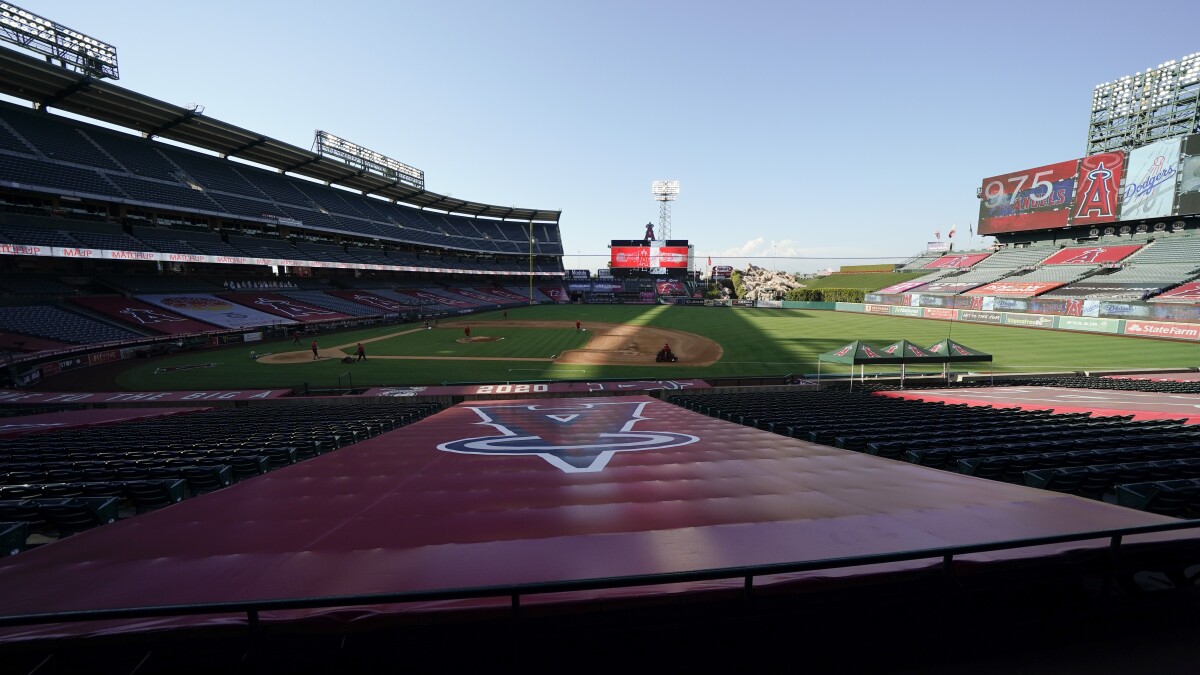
{"x": 619, "y": 341}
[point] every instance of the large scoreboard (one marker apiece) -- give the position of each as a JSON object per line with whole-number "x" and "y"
{"x": 1158, "y": 180}
{"x": 662, "y": 257}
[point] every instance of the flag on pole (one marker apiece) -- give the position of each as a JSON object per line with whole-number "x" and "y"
{"x": 710, "y": 261}
{"x": 937, "y": 234}
{"x": 971, "y": 229}
{"x": 950, "y": 234}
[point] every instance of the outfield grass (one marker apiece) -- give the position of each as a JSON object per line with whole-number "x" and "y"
{"x": 868, "y": 281}
{"x": 755, "y": 342}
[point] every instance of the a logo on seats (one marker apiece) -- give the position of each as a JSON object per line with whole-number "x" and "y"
{"x": 575, "y": 437}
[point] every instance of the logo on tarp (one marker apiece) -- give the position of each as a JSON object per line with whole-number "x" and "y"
{"x": 574, "y": 437}
{"x": 402, "y": 391}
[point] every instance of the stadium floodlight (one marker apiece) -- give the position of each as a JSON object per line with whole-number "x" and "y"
{"x": 73, "y": 50}
{"x": 664, "y": 192}
{"x": 1136, "y": 110}
{"x": 358, "y": 157}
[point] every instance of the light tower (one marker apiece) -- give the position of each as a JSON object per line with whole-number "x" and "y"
{"x": 665, "y": 192}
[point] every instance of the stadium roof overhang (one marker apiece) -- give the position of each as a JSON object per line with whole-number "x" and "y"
{"x": 26, "y": 77}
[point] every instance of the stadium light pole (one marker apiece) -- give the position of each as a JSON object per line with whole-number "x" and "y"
{"x": 532, "y": 241}
{"x": 664, "y": 192}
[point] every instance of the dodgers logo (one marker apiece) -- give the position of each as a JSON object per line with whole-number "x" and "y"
{"x": 574, "y": 437}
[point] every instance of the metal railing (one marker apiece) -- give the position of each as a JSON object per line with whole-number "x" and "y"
{"x": 254, "y": 608}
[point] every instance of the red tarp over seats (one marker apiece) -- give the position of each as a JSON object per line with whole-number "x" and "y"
{"x": 502, "y": 295}
{"x": 288, "y": 308}
{"x": 555, "y": 293}
{"x": 75, "y": 419}
{"x": 142, "y": 315}
{"x": 426, "y": 297}
{"x": 513, "y": 492}
{"x": 16, "y": 342}
{"x": 377, "y": 302}
{"x": 957, "y": 260}
{"x": 1090, "y": 255}
{"x": 1143, "y": 405}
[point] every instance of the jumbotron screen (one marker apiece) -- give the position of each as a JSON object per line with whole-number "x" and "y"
{"x": 639, "y": 254}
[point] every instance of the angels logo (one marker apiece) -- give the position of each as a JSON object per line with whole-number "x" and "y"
{"x": 382, "y": 303}
{"x": 843, "y": 351}
{"x": 148, "y": 316}
{"x": 870, "y": 353}
{"x": 574, "y": 437}
{"x": 288, "y": 308}
{"x": 1099, "y": 178}
{"x": 402, "y": 391}
{"x": 1084, "y": 257}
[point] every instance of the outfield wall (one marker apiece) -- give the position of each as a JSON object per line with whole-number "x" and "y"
{"x": 1130, "y": 327}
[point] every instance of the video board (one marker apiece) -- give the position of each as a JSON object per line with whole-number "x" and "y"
{"x": 1157, "y": 180}
{"x": 1033, "y": 199}
{"x": 674, "y": 254}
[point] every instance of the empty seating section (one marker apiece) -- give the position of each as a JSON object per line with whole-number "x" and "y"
{"x": 325, "y": 301}
{"x": 112, "y": 241}
{"x": 170, "y": 194}
{"x": 264, "y": 248}
{"x": 112, "y": 164}
{"x": 1055, "y": 273}
{"x": 243, "y": 206}
{"x": 1165, "y": 273}
{"x": 212, "y": 175}
{"x": 59, "y": 140}
{"x": 1076, "y": 453}
{"x": 59, "y": 483}
{"x": 34, "y": 284}
{"x": 919, "y": 262}
{"x": 1169, "y": 250}
{"x": 139, "y": 157}
{"x": 169, "y": 245}
{"x": 1015, "y": 258}
{"x": 67, "y": 178}
{"x": 37, "y": 236}
{"x": 57, "y": 324}
{"x": 9, "y": 141}
{"x": 162, "y": 284}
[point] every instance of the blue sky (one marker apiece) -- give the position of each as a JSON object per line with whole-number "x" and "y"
{"x": 803, "y": 137}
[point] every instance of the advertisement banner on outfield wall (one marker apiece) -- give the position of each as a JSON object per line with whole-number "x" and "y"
{"x": 1034, "y": 199}
{"x": 1098, "y": 189}
{"x": 878, "y": 309}
{"x": 937, "y": 313}
{"x": 1150, "y": 180}
{"x": 1174, "y": 331}
{"x": 1047, "y": 306}
{"x": 770, "y": 304}
{"x": 915, "y": 312}
{"x": 1010, "y": 304}
{"x": 980, "y": 317}
{"x": 1172, "y": 312}
{"x": 1123, "y": 309}
{"x": 1189, "y": 177}
{"x": 1089, "y": 325}
{"x": 1029, "y": 320}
